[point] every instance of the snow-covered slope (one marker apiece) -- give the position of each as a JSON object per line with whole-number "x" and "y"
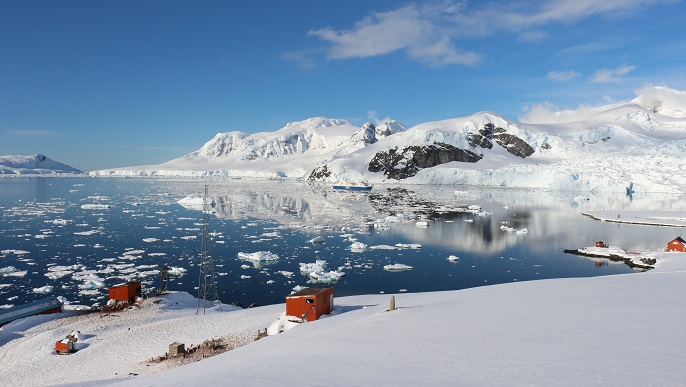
{"x": 34, "y": 164}
{"x": 612, "y": 330}
{"x": 638, "y": 144}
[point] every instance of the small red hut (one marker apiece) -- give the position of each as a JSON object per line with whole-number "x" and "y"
{"x": 677, "y": 244}
{"x": 600, "y": 244}
{"x": 309, "y": 304}
{"x": 126, "y": 292}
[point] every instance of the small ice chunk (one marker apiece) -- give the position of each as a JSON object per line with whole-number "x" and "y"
{"x": 43, "y": 290}
{"x": 397, "y": 267}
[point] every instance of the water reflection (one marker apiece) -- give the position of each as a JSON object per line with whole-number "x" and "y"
{"x": 476, "y": 225}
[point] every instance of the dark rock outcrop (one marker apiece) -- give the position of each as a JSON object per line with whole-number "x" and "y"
{"x": 401, "y": 164}
{"x": 513, "y": 144}
{"x": 319, "y": 173}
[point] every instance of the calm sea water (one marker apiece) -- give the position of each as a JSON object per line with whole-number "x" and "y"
{"x": 75, "y": 237}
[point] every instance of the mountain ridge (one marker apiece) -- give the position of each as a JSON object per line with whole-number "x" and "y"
{"x": 602, "y": 151}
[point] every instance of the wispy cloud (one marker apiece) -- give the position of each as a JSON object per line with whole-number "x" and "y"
{"x": 563, "y": 76}
{"x": 430, "y": 33}
{"x": 152, "y": 148}
{"x": 611, "y": 75}
{"x": 37, "y": 133}
{"x": 413, "y": 29}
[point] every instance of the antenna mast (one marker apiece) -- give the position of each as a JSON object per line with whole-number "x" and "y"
{"x": 207, "y": 286}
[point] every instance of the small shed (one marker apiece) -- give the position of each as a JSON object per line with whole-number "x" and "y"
{"x": 600, "y": 244}
{"x": 126, "y": 292}
{"x": 677, "y": 244}
{"x": 309, "y": 304}
{"x": 176, "y": 348}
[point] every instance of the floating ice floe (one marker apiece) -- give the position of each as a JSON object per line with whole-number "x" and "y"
{"x": 56, "y": 272}
{"x": 298, "y": 288}
{"x": 59, "y": 222}
{"x": 383, "y": 247}
{"x": 245, "y": 276}
{"x": 177, "y": 271}
{"x": 96, "y": 206}
{"x": 259, "y": 256}
{"x": 11, "y": 271}
{"x": 453, "y": 258}
{"x": 15, "y": 252}
{"x": 134, "y": 252}
{"x": 581, "y": 198}
{"x": 317, "y": 240}
{"x": 408, "y": 245}
{"x": 317, "y": 272}
{"x": 422, "y": 223}
{"x": 287, "y": 274}
{"x": 43, "y": 290}
{"x": 91, "y": 285}
{"x": 358, "y": 247}
{"x": 91, "y": 232}
{"x": 150, "y": 240}
{"x": 397, "y": 267}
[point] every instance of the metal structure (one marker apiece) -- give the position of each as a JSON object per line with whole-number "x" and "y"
{"x": 207, "y": 285}
{"x": 164, "y": 276}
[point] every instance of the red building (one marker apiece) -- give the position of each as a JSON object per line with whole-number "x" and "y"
{"x": 126, "y": 292}
{"x": 600, "y": 244}
{"x": 677, "y": 244}
{"x": 309, "y": 304}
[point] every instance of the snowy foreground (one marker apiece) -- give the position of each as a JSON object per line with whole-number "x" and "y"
{"x": 618, "y": 330}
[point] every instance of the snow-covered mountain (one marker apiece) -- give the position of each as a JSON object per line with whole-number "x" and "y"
{"x": 292, "y": 151}
{"x": 33, "y": 164}
{"x": 637, "y": 145}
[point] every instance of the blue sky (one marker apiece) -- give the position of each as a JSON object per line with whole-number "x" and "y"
{"x": 98, "y": 84}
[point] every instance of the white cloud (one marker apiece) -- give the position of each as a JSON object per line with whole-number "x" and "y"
{"x": 428, "y": 33}
{"x": 412, "y": 29}
{"x": 547, "y": 113}
{"x": 372, "y": 116}
{"x": 563, "y": 76}
{"x": 611, "y": 75}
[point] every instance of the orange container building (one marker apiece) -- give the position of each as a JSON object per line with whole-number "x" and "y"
{"x": 309, "y": 304}
{"x": 677, "y": 244}
{"x": 126, "y": 292}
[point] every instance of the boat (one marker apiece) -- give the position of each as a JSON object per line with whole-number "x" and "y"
{"x": 353, "y": 186}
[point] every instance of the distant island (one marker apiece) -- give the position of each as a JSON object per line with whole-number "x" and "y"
{"x": 37, "y": 164}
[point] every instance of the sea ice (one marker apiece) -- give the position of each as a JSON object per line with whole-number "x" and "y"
{"x": 408, "y": 245}
{"x": 317, "y": 272}
{"x": 96, "y": 206}
{"x": 397, "y": 267}
{"x": 11, "y": 271}
{"x": 358, "y": 247}
{"x": 43, "y": 290}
